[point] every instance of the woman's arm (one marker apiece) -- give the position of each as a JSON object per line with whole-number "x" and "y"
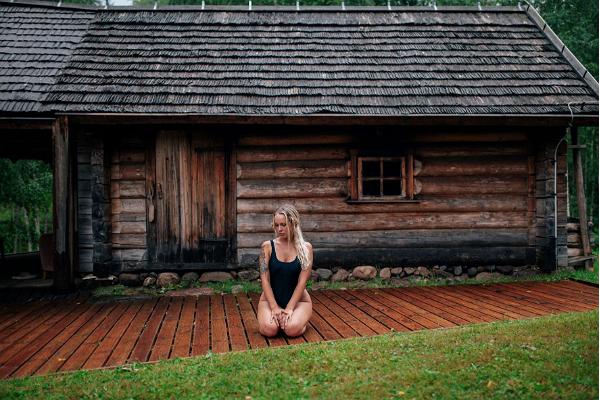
{"x": 265, "y": 276}
{"x": 302, "y": 279}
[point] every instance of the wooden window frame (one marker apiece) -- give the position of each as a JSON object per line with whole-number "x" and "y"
{"x": 356, "y": 179}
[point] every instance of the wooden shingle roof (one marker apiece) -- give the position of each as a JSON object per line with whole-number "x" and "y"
{"x": 314, "y": 61}
{"x": 35, "y": 45}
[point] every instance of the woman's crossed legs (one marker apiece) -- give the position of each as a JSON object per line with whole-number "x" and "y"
{"x": 296, "y": 326}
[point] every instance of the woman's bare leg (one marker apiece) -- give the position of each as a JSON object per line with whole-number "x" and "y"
{"x": 265, "y": 326}
{"x": 296, "y": 326}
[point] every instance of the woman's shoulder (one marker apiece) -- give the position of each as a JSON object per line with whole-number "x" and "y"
{"x": 309, "y": 246}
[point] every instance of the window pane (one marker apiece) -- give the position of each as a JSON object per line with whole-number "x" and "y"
{"x": 370, "y": 169}
{"x": 392, "y": 168}
{"x": 370, "y": 188}
{"x": 392, "y": 187}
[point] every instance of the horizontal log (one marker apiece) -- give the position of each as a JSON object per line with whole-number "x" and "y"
{"x": 325, "y": 152}
{"x": 338, "y": 205}
{"x": 84, "y": 188}
{"x": 128, "y": 156}
{"x": 285, "y": 139}
{"x": 291, "y": 188}
{"x": 129, "y": 255}
{"x": 84, "y": 172}
{"x": 471, "y": 150}
{"x": 128, "y": 227}
{"x": 250, "y": 223}
{"x": 84, "y": 225}
{"x": 128, "y": 217}
{"x": 84, "y": 211}
{"x": 410, "y": 256}
{"x": 128, "y": 189}
{"x": 128, "y": 240}
{"x": 119, "y": 206}
{"x": 456, "y": 166}
{"x": 473, "y": 184}
{"x": 387, "y": 135}
{"x": 293, "y": 169}
{"x": 573, "y": 227}
{"x": 404, "y": 238}
{"x": 574, "y": 251}
{"x": 85, "y": 240}
{"x": 128, "y": 171}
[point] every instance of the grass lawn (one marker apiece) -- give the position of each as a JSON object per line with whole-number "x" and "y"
{"x": 552, "y": 357}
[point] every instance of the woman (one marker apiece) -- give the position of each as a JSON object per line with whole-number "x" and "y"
{"x": 285, "y": 266}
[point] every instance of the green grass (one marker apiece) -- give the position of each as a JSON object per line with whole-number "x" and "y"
{"x": 553, "y": 357}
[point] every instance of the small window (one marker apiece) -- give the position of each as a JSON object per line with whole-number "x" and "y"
{"x": 381, "y": 177}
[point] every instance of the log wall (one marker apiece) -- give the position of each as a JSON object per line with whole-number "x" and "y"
{"x": 484, "y": 196}
{"x": 84, "y": 202}
{"x": 476, "y": 202}
{"x": 128, "y": 200}
{"x": 545, "y": 207}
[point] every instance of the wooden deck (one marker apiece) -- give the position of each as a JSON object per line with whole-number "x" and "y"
{"x": 46, "y": 336}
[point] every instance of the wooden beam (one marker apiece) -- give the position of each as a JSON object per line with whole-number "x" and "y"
{"x": 327, "y": 119}
{"x": 63, "y": 274}
{"x": 581, "y": 205}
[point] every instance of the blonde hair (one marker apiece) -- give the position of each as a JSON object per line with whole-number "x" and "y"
{"x": 294, "y": 232}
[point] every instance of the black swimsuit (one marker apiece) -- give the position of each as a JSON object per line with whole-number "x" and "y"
{"x": 284, "y": 277}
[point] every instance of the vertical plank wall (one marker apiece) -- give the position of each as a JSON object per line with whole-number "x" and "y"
{"x": 477, "y": 192}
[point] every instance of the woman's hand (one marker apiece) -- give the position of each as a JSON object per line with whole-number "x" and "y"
{"x": 286, "y": 316}
{"x": 276, "y": 315}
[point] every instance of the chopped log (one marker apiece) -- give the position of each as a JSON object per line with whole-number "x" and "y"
{"x": 337, "y": 205}
{"x": 401, "y": 238}
{"x": 394, "y": 256}
{"x": 389, "y": 221}
{"x": 292, "y": 169}
{"x": 291, "y": 188}
{"x": 462, "y": 166}
{"x": 320, "y": 152}
{"x": 459, "y": 185}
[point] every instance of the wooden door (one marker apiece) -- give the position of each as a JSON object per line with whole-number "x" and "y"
{"x": 189, "y": 197}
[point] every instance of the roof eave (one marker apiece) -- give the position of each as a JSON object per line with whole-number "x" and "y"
{"x": 335, "y": 119}
{"x": 562, "y": 48}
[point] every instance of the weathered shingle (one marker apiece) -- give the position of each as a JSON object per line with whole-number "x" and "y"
{"x": 35, "y": 44}
{"x": 326, "y": 61}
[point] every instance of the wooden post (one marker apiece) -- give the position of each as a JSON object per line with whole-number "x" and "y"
{"x": 63, "y": 276}
{"x": 581, "y": 206}
{"x": 101, "y": 224}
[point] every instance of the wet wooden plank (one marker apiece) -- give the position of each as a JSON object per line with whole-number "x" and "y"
{"x": 91, "y": 343}
{"x": 72, "y": 345}
{"x": 123, "y": 349}
{"x": 338, "y": 317}
{"x": 36, "y": 338}
{"x": 237, "y": 334}
{"x": 250, "y": 321}
{"x": 200, "y": 340}
{"x": 166, "y": 335}
{"x": 103, "y": 351}
{"x": 47, "y": 351}
{"x": 143, "y": 347}
{"x": 183, "y": 336}
{"x": 219, "y": 339}
{"x": 372, "y": 317}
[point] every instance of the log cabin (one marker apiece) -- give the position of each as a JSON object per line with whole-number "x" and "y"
{"x": 403, "y": 135}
